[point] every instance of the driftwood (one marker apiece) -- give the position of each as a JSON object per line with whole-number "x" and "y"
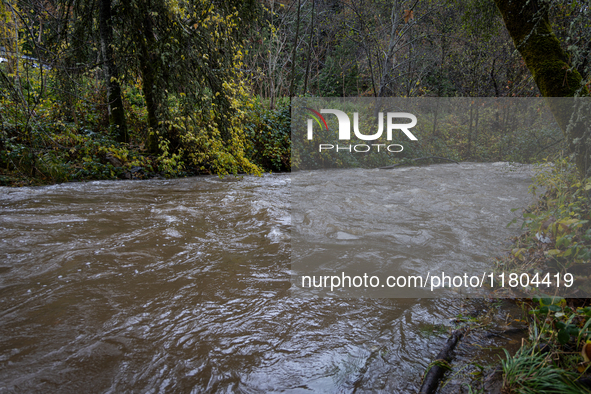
{"x": 440, "y": 364}
{"x": 418, "y": 158}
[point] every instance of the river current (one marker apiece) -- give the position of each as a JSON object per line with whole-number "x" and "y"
{"x": 184, "y": 286}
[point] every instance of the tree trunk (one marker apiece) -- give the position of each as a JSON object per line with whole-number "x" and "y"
{"x": 148, "y": 69}
{"x": 309, "y": 49}
{"x": 394, "y": 39}
{"x": 294, "y": 52}
{"x": 470, "y": 129}
{"x": 148, "y": 80}
{"x": 115, "y": 103}
{"x": 272, "y": 65}
{"x": 529, "y": 27}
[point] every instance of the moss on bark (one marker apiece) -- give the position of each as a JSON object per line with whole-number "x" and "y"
{"x": 529, "y": 27}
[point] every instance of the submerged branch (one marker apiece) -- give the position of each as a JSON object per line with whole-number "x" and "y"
{"x": 440, "y": 364}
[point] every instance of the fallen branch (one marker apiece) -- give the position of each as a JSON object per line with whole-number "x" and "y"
{"x": 418, "y": 158}
{"x": 440, "y": 364}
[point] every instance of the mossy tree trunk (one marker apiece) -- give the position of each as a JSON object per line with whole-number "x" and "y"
{"x": 528, "y": 24}
{"x": 149, "y": 71}
{"x": 148, "y": 87}
{"x": 115, "y": 103}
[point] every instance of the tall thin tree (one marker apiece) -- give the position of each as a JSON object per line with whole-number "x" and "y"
{"x": 114, "y": 100}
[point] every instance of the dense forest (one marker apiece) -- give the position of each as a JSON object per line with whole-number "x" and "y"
{"x": 132, "y": 89}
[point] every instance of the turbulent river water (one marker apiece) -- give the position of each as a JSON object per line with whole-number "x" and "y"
{"x": 184, "y": 286}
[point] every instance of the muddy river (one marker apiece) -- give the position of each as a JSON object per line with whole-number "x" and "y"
{"x": 183, "y": 286}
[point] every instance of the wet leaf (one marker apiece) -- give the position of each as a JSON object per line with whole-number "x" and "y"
{"x": 563, "y": 336}
{"x": 543, "y": 309}
{"x": 546, "y": 301}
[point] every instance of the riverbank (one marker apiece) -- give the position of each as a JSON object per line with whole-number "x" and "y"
{"x": 556, "y": 243}
{"x": 47, "y": 147}
{"x": 538, "y": 333}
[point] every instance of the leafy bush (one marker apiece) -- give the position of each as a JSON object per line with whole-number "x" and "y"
{"x": 558, "y": 236}
{"x": 557, "y": 243}
{"x": 269, "y": 135}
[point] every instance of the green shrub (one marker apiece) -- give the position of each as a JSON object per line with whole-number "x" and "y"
{"x": 269, "y": 135}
